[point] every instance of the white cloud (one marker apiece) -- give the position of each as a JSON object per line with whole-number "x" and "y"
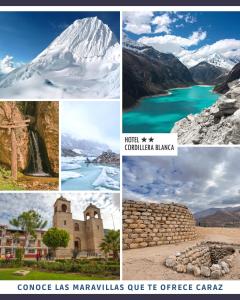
{"x": 6, "y": 64}
{"x": 11, "y": 205}
{"x": 172, "y": 43}
{"x": 190, "y": 18}
{"x": 227, "y": 48}
{"x": 138, "y": 22}
{"x": 163, "y": 22}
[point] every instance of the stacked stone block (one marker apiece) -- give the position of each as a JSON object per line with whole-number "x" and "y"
{"x": 207, "y": 259}
{"x": 148, "y": 224}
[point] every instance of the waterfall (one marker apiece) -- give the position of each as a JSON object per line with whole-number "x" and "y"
{"x": 36, "y": 162}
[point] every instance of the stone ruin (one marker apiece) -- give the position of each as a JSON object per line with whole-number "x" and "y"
{"x": 148, "y": 224}
{"x": 208, "y": 259}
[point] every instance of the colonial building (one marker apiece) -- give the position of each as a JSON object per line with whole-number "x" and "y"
{"x": 11, "y": 239}
{"x": 85, "y": 236}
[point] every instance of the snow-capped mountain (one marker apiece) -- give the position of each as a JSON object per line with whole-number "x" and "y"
{"x": 82, "y": 62}
{"x": 134, "y": 45}
{"x": 219, "y": 60}
{"x": 82, "y": 147}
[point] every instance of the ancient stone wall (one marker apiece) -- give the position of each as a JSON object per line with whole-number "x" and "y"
{"x": 150, "y": 224}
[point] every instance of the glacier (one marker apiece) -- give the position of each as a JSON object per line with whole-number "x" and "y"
{"x": 83, "y": 62}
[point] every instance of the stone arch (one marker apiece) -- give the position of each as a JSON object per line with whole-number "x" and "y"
{"x": 96, "y": 215}
{"x": 64, "y": 208}
{"x": 87, "y": 216}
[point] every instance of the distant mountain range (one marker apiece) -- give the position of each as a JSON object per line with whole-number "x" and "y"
{"x": 80, "y": 147}
{"x": 219, "y": 217}
{"x": 148, "y": 72}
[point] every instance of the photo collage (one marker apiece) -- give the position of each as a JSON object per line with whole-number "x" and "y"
{"x": 72, "y": 85}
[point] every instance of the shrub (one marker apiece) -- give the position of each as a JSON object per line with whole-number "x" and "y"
{"x": 19, "y": 254}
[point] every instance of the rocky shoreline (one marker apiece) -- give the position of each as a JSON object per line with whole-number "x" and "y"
{"x": 218, "y": 124}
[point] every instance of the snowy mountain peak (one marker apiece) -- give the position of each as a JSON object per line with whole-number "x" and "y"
{"x": 82, "y": 62}
{"x": 219, "y": 60}
{"x": 84, "y": 40}
{"x": 133, "y": 45}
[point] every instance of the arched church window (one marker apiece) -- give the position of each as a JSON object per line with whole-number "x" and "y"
{"x": 64, "y": 208}
{"x": 95, "y": 215}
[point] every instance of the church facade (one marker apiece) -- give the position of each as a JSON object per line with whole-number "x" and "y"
{"x": 85, "y": 236}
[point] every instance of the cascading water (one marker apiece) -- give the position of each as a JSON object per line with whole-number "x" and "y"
{"x": 37, "y": 165}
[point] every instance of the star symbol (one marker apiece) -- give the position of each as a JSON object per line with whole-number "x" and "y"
{"x": 151, "y": 139}
{"x": 144, "y": 139}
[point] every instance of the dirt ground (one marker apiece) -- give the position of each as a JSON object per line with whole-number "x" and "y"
{"x": 148, "y": 263}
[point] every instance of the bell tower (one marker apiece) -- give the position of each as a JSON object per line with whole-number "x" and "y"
{"x": 62, "y": 219}
{"x": 94, "y": 228}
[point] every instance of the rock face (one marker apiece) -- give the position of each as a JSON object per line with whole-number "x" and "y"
{"x": 219, "y": 124}
{"x": 206, "y": 73}
{"x": 147, "y": 72}
{"x": 148, "y": 224}
{"x": 208, "y": 259}
{"x": 47, "y": 124}
{"x": 21, "y": 135}
{"x": 233, "y": 75}
{"x": 43, "y": 116}
{"x": 69, "y": 153}
{"x": 108, "y": 157}
{"x": 82, "y": 147}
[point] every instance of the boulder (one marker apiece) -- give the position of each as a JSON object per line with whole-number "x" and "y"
{"x": 196, "y": 271}
{"x": 205, "y": 271}
{"x": 170, "y": 261}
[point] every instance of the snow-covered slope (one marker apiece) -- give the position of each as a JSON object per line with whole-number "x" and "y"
{"x": 82, "y": 62}
{"x": 219, "y": 60}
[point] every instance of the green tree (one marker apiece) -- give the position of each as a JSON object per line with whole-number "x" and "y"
{"x": 111, "y": 244}
{"x": 55, "y": 238}
{"x": 29, "y": 222}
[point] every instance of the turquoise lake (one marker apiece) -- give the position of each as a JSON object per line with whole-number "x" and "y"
{"x": 158, "y": 114}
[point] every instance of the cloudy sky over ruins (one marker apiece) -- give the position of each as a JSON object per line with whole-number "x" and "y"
{"x": 11, "y": 205}
{"x": 191, "y": 36}
{"x": 199, "y": 178}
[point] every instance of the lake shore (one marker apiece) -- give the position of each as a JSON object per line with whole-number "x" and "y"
{"x": 158, "y": 114}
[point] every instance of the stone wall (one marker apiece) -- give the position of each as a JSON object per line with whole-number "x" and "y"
{"x": 207, "y": 259}
{"x": 148, "y": 224}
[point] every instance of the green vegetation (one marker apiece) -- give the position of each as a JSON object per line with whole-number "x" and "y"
{"x": 89, "y": 267}
{"x": 7, "y": 274}
{"x": 6, "y": 181}
{"x": 55, "y": 238}
{"x": 111, "y": 244}
{"x": 19, "y": 254}
{"x": 29, "y": 222}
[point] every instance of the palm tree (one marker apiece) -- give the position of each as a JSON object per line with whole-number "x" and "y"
{"x": 111, "y": 244}
{"x": 28, "y": 222}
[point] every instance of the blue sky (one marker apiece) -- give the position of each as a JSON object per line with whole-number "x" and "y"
{"x": 12, "y": 205}
{"x": 93, "y": 120}
{"x": 198, "y": 177}
{"x": 183, "y": 33}
{"x": 23, "y": 35}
